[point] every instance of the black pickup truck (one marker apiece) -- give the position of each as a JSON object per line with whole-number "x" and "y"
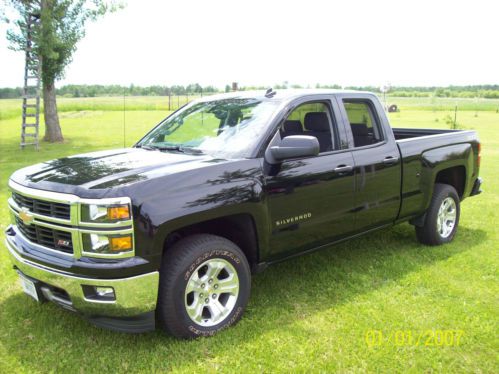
{"x": 168, "y": 232}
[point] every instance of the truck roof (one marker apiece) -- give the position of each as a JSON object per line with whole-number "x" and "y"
{"x": 281, "y": 94}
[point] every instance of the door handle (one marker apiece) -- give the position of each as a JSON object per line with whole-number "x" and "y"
{"x": 343, "y": 169}
{"x": 390, "y": 160}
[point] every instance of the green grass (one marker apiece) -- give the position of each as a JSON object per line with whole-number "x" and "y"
{"x": 444, "y": 104}
{"x": 307, "y": 314}
{"x": 11, "y": 108}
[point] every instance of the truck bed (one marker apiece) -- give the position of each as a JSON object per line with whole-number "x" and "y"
{"x": 422, "y": 150}
{"x": 404, "y": 133}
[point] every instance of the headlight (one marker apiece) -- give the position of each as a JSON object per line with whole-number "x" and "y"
{"x": 107, "y": 244}
{"x": 107, "y": 228}
{"x": 105, "y": 213}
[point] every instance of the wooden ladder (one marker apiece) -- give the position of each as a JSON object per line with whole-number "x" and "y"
{"x": 31, "y": 91}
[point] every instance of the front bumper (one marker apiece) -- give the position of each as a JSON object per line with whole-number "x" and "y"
{"x": 134, "y": 296}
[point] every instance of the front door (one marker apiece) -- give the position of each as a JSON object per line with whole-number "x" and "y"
{"x": 311, "y": 200}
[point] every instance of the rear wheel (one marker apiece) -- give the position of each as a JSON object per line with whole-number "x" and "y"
{"x": 442, "y": 216}
{"x": 204, "y": 286}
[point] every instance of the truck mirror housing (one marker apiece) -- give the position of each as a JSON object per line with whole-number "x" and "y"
{"x": 295, "y": 146}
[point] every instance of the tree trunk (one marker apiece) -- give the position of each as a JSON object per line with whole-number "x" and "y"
{"x": 53, "y": 131}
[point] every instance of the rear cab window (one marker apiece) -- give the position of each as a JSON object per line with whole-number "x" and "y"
{"x": 365, "y": 127}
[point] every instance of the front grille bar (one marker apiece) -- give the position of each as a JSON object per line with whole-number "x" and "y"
{"x": 47, "y": 237}
{"x": 45, "y": 208}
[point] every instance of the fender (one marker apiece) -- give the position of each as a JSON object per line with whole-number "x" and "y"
{"x": 436, "y": 160}
{"x": 196, "y": 197}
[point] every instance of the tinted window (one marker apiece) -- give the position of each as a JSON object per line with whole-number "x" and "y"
{"x": 365, "y": 128}
{"x": 312, "y": 119}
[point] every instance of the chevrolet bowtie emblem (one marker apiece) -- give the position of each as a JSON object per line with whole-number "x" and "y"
{"x": 26, "y": 216}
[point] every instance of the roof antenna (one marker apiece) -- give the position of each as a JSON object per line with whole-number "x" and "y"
{"x": 270, "y": 92}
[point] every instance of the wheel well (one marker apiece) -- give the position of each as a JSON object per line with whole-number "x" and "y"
{"x": 455, "y": 176}
{"x": 239, "y": 229}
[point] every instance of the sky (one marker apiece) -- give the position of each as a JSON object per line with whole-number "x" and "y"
{"x": 256, "y": 42}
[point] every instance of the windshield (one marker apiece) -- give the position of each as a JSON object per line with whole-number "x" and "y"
{"x": 224, "y": 128}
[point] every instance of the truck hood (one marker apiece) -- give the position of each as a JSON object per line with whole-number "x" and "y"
{"x": 107, "y": 169}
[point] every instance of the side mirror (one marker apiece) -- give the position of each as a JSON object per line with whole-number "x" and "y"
{"x": 295, "y": 146}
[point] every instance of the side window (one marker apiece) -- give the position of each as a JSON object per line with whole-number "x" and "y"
{"x": 365, "y": 128}
{"x": 312, "y": 119}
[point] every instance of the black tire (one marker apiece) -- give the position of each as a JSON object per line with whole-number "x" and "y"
{"x": 179, "y": 264}
{"x": 428, "y": 233}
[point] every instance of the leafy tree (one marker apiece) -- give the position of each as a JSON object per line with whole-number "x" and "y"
{"x": 61, "y": 27}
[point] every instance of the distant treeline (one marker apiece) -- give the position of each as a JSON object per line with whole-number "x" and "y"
{"x": 72, "y": 90}
{"x": 84, "y": 90}
{"x": 488, "y": 91}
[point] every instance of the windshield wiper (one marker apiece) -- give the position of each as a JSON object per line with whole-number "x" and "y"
{"x": 191, "y": 150}
{"x": 177, "y": 148}
{"x": 147, "y": 147}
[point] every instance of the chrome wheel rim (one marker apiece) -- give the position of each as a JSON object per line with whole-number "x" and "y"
{"x": 446, "y": 218}
{"x": 211, "y": 292}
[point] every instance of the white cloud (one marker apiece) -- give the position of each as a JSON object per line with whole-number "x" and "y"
{"x": 266, "y": 42}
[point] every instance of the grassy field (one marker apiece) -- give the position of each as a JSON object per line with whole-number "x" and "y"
{"x": 10, "y": 108}
{"x": 444, "y": 104}
{"x": 351, "y": 308}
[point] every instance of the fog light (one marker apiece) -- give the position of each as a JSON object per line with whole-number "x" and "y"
{"x": 99, "y": 293}
{"x": 104, "y": 292}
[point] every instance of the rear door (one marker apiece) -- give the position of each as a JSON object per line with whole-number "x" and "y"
{"x": 377, "y": 161}
{"x": 311, "y": 200}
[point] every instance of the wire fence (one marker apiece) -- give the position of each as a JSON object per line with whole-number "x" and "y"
{"x": 11, "y": 108}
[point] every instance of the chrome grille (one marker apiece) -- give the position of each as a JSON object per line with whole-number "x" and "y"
{"x": 46, "y": 208}
{"x": 52, "y": 220}
{"x": 47, "y": 237}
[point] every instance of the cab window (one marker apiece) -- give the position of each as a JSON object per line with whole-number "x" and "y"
{"x": 313, "y": 119}
{"x": 365, "y": 128}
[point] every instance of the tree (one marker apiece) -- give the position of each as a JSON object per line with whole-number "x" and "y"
{"x": 61, "y": 27}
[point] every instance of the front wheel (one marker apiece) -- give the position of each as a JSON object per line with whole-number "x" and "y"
{"x": 442, "y": 216}
{"x": 205, "y": 283}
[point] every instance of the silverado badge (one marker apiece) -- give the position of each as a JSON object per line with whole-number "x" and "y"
{"x": 294, "y": 219}
{"x": 26, "y": 216}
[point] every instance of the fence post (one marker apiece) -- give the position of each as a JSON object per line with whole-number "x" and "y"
{"x": 169, "y": 101}
{"x": 178, "y": 101}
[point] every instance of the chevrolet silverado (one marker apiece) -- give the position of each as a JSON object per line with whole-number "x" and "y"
{"x": 169, "y": 232}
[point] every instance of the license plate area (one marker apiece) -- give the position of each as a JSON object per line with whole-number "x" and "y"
{"x": 30, "y": 287}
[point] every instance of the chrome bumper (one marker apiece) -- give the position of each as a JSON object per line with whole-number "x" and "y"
{"x": 134, "y": 295}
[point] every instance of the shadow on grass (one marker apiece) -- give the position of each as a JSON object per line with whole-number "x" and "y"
{"x": 46, "y": 338}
